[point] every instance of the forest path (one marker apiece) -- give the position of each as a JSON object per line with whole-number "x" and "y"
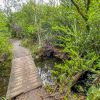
{"x": 25, "y": 82}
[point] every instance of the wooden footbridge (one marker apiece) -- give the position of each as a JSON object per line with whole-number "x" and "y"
{"x": 24, "y": 79}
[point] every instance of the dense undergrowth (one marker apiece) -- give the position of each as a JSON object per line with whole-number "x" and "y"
{"x": 5, "y": 47}
{"x": 5, "y": 54}
{"x": 72, "y": 26}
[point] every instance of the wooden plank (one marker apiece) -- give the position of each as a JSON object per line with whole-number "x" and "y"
{"x": 24, "y": 74}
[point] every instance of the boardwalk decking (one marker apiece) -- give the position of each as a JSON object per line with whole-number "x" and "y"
{"x": 24, "y": 74}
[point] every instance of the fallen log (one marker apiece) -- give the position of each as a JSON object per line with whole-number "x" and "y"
{"x": 77, "y": 76}
{"x": 85, "y": 80}
{"x": 50, "y": 52}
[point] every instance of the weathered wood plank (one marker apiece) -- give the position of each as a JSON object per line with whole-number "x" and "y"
{"x": 24, "y": 74}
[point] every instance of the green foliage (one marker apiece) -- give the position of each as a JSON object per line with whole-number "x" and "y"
{"x": 28, "y": 43}
{"x": 82, "y": 46}
{"x": 3, "y": 98}
{"x": 72, "y": 25}
{"x": 93, "y": 93}
{"x": 5, "y": 47}
{"x": 65, "y": 73}
{"x": 34, "y": 21}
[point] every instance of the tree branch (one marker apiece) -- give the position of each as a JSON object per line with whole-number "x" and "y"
{"x": 78, "y": 9}
{"x": 87, "y": 4}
